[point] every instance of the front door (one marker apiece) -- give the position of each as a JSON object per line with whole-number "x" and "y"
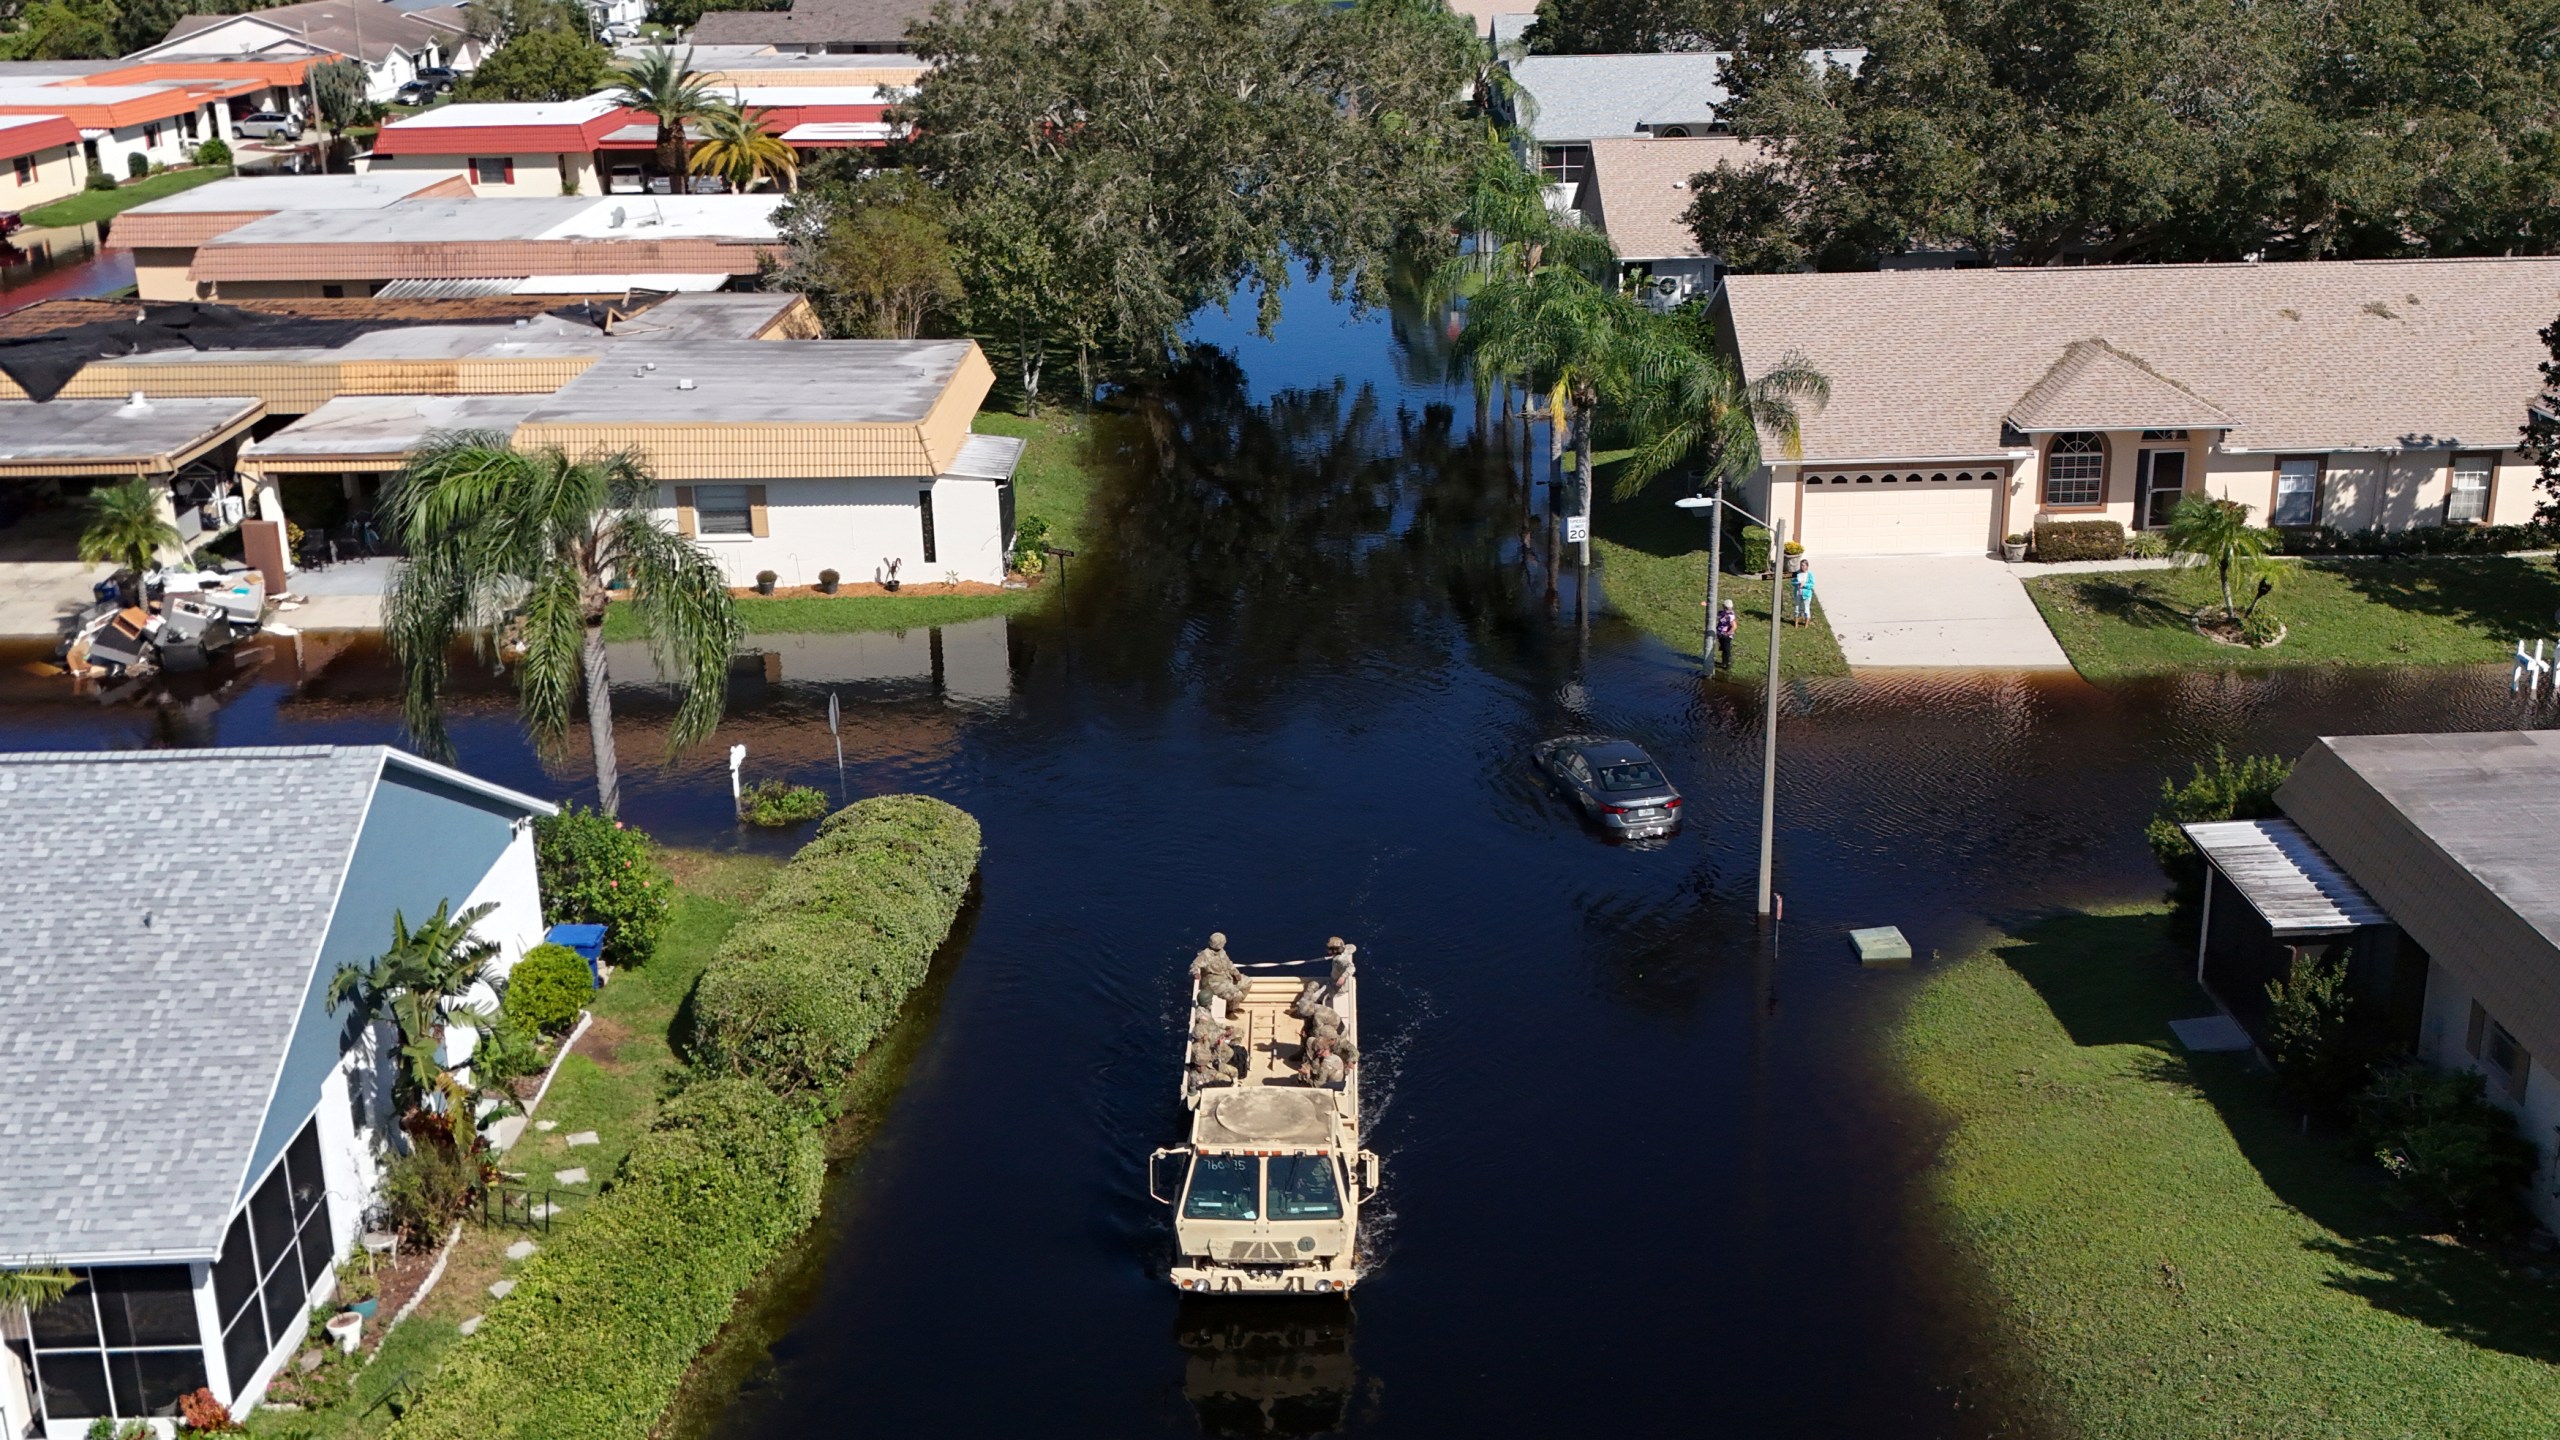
{"x": 2161, "y": 482}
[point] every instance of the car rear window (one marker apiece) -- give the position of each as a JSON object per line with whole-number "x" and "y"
{"x": 1634, "y": 775}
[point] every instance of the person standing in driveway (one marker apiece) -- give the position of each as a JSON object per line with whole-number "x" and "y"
{"x": 1726, "y": 623}
{"x": 1804, "y": 594}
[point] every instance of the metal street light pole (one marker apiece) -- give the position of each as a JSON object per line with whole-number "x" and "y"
{"x": 1714, "y": 506}
{"x": 1769, "y": 724}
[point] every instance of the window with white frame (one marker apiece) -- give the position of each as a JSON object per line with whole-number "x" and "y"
{"x": 2075, "y": 469}
{"x": 2467, "y": 503}
{"x": 722, "y": 510}
{"x": 2297, "y": 492}
{"x": 122, "y": 1345}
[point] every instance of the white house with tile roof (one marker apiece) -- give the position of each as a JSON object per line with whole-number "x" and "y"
{"x": 1967, "y": 404}
{"x": 187, "y": 1124}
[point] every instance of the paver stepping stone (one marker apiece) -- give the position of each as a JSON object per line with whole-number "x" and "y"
{"x": 520, "y": 1250}
{"x": 546, "y": 1126}
{"x": 574, "y": 1175}
{"x": 469, "y": 1325}
{"x": 307, "y": 1361}
{"x": 502, "y": 1289}
{"x": 2210, "y": 1032}
{"x": 545, "y": 1210}
{"x": 585, "y": 1137}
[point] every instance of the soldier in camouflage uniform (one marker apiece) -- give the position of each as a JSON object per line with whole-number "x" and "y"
{"x": 1310, "y": 996}
{"x": 1341, "y": 955}
{"x": 1217, "y": 975}
{"x": 1213, "y": 1059}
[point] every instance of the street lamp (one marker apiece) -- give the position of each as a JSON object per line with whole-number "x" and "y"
{"x": 1777, "y": 604}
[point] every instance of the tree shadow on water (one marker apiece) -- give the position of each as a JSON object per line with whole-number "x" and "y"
{"x": 2120, "y": 980}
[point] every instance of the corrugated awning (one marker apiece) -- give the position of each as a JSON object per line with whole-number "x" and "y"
{"x": 671, "y": 282}
{"x": 986, "y": 457}
{"x": 2285, "y": 878}
{"x": 453, "y": 289}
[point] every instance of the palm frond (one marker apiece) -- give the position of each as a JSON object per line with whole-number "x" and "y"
{"x": 682, "y": 600}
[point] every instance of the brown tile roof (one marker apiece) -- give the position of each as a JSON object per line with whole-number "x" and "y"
{"x": 2095, "y": 386}
{"x": 362, "y": 28}
{"x": 46, "y": 316}
{"x": 2350, "y": 355}
{"x": 1642, "y": 190}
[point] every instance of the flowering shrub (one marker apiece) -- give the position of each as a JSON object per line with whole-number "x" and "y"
{"x": 596, "y": 871}
{"x": 202, "y": 1414}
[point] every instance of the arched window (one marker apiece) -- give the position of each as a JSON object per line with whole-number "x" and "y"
{"x": 2075, "y": 469}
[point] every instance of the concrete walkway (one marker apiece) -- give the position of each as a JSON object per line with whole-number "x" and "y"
{"x": 1942, "y": 611}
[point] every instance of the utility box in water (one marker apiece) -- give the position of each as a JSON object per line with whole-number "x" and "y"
{"x": 1880, "y": 945}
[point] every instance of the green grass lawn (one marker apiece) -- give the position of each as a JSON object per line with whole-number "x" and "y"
{"x": 90, "y": 206}
{"x": 1053, "y": 482}
{"x": 1653, "y": 571}
{"x": 2430, "y": 611}
{"x": 2170, "y": 1253}
{"x": 610, "y": 1084}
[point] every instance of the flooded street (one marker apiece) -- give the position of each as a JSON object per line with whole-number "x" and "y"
{"x": 1646, "y": 1168}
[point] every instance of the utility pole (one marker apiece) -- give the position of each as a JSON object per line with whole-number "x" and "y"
{"x": 1769, "y": 724}
{"x": 1712, "y": 503}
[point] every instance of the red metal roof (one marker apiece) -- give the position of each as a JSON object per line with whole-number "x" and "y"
{"x": 42, "y": 132}
{"x": 552, "y": 139}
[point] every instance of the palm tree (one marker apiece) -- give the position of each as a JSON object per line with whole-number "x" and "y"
{"x": 1570, "y": 334}
{"x": 421, "y": 982}
{"x": 662, "y": 85}
{"x": 34, "y": 1288}
{"x": 497, "y": 534}
{"x": 740, "y": 148}
{"x": 2218, "y": 532}
{"x": 1691, "y": 399}
{"x": 127, "y": 529}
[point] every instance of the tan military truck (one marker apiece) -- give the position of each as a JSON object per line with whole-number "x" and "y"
{"x": 1274, "y": 1176}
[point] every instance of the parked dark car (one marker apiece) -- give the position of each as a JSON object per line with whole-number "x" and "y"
{"x": 416, "y": 92}
{"x": 439, "y": 76}
{"x": 1614, "y": 783}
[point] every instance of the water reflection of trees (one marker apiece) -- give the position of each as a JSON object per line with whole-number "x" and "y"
{"x": 1265, "y": 546}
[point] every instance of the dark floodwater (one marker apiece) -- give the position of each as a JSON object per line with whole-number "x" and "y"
{"x": 1646, "y": 1171}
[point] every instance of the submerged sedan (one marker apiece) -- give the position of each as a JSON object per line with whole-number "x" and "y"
{"x": 1617, "y": 785}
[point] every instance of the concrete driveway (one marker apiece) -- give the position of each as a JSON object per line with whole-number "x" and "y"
{"x": 1947, "y": 611}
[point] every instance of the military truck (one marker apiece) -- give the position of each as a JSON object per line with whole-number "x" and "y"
{"x": 1273, "y": 1177}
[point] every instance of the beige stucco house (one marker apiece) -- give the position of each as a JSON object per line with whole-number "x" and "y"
{"x": 1967, "y": 404}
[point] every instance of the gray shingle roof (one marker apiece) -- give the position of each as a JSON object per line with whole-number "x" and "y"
{"x": 175, "y": 904}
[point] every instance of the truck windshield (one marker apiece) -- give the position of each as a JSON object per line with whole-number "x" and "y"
{"x": 1302, "y": 1188}
{"x": 1224, "y": 1187}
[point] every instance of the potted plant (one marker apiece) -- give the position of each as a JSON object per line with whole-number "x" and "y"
{"x": 828, "y": 580}
{"x": 1795, "y": 556}
{"x": 764, "y": 582}
{"x": 2014, "y": 549}
{"x": 359, "y": 1290}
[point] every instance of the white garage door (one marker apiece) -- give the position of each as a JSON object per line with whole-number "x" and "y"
{"x": 1901, "y": 512}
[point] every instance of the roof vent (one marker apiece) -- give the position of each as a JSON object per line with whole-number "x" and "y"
{"x": 647, "y": 365}
{"x": 135, "y": 401}
{"x": 685, "y": 384}
{"x": 614, "y": 220}
{"x": 522, "y": 322}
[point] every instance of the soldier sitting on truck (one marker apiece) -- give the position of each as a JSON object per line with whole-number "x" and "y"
{"x": 1310, "y": 996}
{"x": 1218, "y": 976}
{"x": 1213, "y": 1059}
{"x": 1325, "y": 1060}
{"x": 1341, "y": 955}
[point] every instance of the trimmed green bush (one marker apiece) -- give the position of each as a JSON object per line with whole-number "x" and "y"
{"x": 779, "y": 802}
{"x": 213, "y": 152}
{"x": 547, "y": 989}
{"x": 2058, "y": 540}
{"x": 819, "y": 967}
{"x": 596, "y": 871}
{"x": 1755, "y": 550}
{"x": 604, "y": 1322}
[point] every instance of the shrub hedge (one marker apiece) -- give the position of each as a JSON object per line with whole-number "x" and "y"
{"x": 595, "y": 871}
{"x": 2424, "y": 540}
{"x": 818, "y": 968}
{"x": 604, "y": 1322}
{"x": 2058, "y": 540}
{"x": 547, "y": 989}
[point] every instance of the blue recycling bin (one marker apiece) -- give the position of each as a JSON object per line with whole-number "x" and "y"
{"x": 588, "y": 941}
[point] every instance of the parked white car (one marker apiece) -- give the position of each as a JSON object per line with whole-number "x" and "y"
{"x": 268, "y": 125}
